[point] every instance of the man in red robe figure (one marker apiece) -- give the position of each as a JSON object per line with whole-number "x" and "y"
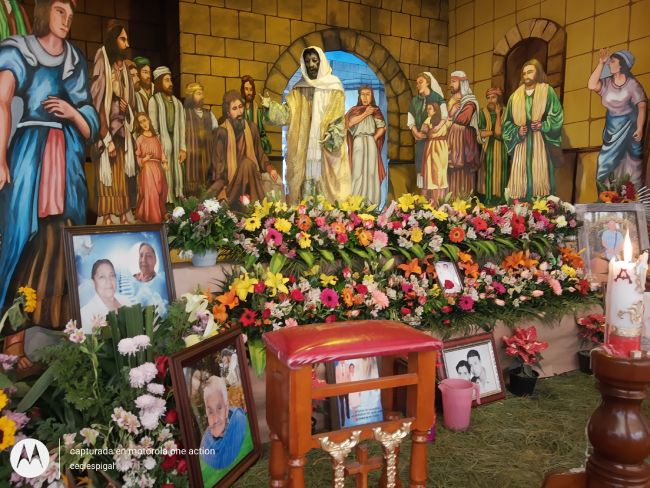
{"x": 463, "y": 137}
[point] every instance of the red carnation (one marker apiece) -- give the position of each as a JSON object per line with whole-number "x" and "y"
{"x": 342, "y": 238}
{"x": 330, "y": 318}
{"x": 297, "y": 295}
{"x": 161, "y": 366}
{"x": 171, "y": 417}
{"x": 446, "y": 309}
{"x": 449, "y": 285}
{"x": 182, "y": 466}
{"x": 479, "y": 224}
{"x": 259, "y": 287}
{"x": 169, "y": 462}
{"x": 195, "y": 217}
{"x": 396, "y": 225}
{"x": 292, "y": 278}
{"x": 405, "y": 311}
{"x": 362, "y": 289}
{"x": 266, "y": 313}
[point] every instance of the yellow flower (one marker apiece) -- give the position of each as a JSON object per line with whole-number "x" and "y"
{"x": 540, "y": 205}
{"x": 353, "y": 204}
{"x": 313, "y": 271}
{"x": 435, "y": 290}
{"x": 440, "y": 215}
{"x": 30, "y": 298}
{"x": 304, "y": 202}
{"x": 416, "y": 235}
{"x": 407, "y": 202}
{"x": 252, "y": 223}
{"x": 3, "y": 400}
{"x": 571, "y": 272}
{"x": 7, "y": 431}
{"x": 244, "y": 285}
{"x": 368, "y": 278}
{"x": 280, "y": 207}
{"x": 371, "y": 207}
{"x": 460, "y": 205}
{"x": 304, "y": 240}
{"x": 366, "y": 217}
{"x": 283, "y": 225}
{"x": 327, "y": 280}
{"x": 262, "y": 209}
{"x": 276, "y": 282}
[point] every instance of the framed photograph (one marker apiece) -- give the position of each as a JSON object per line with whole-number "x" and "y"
{"x": 111, "y": 266}
{"x": 448, "y": 277}
{"x": 216, "y": 409}
{"x": 358, "y": 408}
{"x": 473, "y": 359}
{"x": 603, "y": 232}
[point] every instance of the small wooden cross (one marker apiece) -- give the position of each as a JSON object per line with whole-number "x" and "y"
{"x": 362, "y": 466}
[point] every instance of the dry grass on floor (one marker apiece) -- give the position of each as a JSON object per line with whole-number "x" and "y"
{"x": 509, "y": 444}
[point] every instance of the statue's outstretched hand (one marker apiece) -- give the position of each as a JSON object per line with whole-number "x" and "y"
{"x": 266, "y": 101}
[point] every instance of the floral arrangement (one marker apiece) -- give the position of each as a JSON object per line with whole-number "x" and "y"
{"x": 199, "y": 225}
{"x": 616, "y": 190}
{"x": 315, "y": 230}
{"x": 592, "y": 329}
{"x": 525, "y": 348}
{"x": 24, "y": 303}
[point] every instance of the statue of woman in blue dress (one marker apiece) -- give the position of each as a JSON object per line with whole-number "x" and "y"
{"x": 42, "y": 181}
{"x": 626, "y": 103}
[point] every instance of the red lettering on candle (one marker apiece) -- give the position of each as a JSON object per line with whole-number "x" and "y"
{"x": 622, "y": 277}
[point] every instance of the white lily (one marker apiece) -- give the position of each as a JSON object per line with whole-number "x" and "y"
{"x": 191, "y": 340}
{"x": 195, "y": 303}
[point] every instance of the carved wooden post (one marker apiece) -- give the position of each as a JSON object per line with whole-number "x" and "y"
{"x": 617, "y": 429}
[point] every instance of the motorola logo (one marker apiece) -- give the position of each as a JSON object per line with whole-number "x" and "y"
{"x": 29, "y": 458}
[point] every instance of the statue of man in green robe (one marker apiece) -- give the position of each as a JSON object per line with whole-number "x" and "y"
{"x": 532, "y": 131}
{"x": 252, "y": 111}
{"x": 493, "y": 169}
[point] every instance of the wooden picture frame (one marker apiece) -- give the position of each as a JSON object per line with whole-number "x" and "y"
{"x": 84, "y": 245}
{"x": 452, "y": 268}
{"x": 369, "y": 402}
{"x": 181, "y": 365}
{"x": 584, "y": 212}
{"x": 485, "y": 346}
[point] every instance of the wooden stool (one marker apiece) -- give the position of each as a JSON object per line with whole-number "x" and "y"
{"x": 291, "y": 352}
{"x": 617, "y": 429}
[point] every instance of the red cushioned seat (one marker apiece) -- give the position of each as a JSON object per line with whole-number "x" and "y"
{"x": 319, "y": 343}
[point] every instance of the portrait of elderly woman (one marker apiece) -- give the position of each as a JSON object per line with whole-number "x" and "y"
{"x": 106, "y": 297}
{"x": 147, "y": 263}
{"x": 223, "y": 440}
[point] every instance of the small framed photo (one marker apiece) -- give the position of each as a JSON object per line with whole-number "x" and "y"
{"x": 214, "y": 399}
{"x": 473, "y": 359}
{"x": 358, "y": 408}
{"x": 448, "y": 277}
{"x": 603, "y": 233}
{"x": 111, "y": 266}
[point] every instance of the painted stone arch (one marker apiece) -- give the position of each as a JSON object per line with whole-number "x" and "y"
{"x": 543, "y": 29}
{"x": 398, "y": 89}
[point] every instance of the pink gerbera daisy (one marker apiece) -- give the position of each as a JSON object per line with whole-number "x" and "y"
{"x": 329, "y": 298}
{"x": 380, "y": 299}
{"x": 466, "y": 302}
{"x": 273, "y": 237}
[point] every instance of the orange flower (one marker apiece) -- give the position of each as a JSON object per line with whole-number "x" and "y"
{"x": 338, "y": 227}
{"x": 513, "y": 261}
{"x": 347, "y": 296}
{"x": 358, "y": 299}
{"x": 364, "y": 236}
{"x": 220, "y": 313}
{"x": 229, "y": 299}
{"x": 465, "y": 257}
{"x": 471, "y": 269}
{"x": 457, "y": 234}
{"x": 608, "y": 196}
{"x": 528, "y": 262}
{"x": 411, "y": 267}
{"x": 304, "y": 222}
{"x": 571, "y": 257}
{"x": 207, "y": 294}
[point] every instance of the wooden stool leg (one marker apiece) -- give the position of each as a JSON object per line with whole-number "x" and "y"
{"x": 296, "y": 464}
{"x": 418, "y": 468}
{"x": 390, "y": 444}
{"x": 277, "y": 463}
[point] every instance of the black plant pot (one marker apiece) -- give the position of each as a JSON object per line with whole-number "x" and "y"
{"x": 584, "y": 359}
{"x": 520, "y": 384}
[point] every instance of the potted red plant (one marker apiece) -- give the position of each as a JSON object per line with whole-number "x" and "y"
{"x": 592, "y": 332}
{"x": 525, "y": 348}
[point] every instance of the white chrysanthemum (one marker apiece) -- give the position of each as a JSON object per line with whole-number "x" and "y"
{"x": 178, "y": 212}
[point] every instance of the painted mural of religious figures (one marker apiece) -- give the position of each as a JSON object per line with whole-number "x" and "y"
{"x": 252, "y": 112}
{"x": 199, "y": 127}
{"x": 626, "y": 103}
{"x": 135, "y": 78}
{"x": 315, "y": 112}
{"x": 113, "y": 155}
{"x": 144, "y": 74}
{"x": 463, "y": 137}
{"x": 435, "y": 159}
{"x": 429, "y": 91}
{"x": 493, "y": 172}
{"x": 13, "y": 19}
{"x": 168, "y": 120}
{"x": 239, "y": 156}
{"x": 532, "y": 131}
{"x": 42, "y": 181}
{"x": 153, "y": 164}
{"x": 366, "y": 132}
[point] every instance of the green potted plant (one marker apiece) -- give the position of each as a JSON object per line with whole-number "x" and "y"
{"x": 525, "y": 349}
{"x": 199, "y": 227}
{"x": 592, "y": 332}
